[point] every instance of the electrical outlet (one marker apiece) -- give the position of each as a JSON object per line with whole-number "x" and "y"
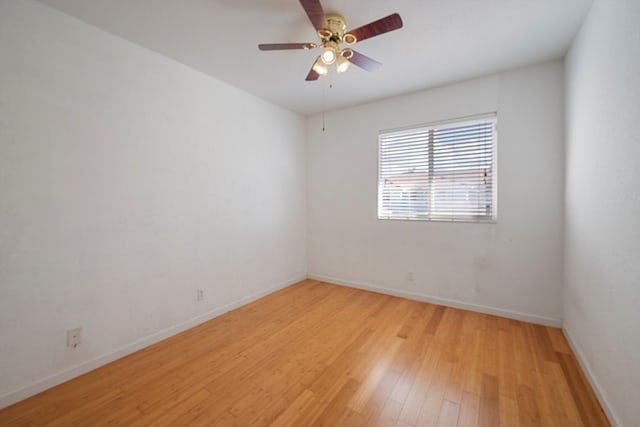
{"x": 74, "y": 337}
{"x": 410, "y": 275}
{"x": 199, "y": 294}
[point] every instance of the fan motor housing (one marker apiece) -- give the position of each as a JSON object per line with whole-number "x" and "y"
{"x": 337, "y": 26}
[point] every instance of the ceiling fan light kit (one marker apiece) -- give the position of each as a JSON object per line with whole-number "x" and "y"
{"x": 330, "y": 52}
{"x": 331, "y": 31}
{"x": 342, "y": 64}
{"x": 320, "y": 67}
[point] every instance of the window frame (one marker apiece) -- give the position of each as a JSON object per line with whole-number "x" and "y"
{"x": 480, "y": 219}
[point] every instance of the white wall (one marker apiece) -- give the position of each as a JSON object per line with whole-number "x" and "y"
{"x": 127, "y": 181}
{"x": 602, "y": 294}
{"x": 513, "y": 267}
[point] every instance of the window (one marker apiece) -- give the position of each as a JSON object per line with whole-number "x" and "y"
{"x": 443, "y": 171}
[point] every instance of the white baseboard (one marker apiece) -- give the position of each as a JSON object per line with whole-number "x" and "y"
{"x": 84, "y": 367}
{"x": 586, "y": 368}
{"x": 511, "y": 314}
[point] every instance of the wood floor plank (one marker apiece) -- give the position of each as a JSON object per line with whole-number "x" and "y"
{"x": 410, "y": 359}
{"x": 507, "y": 372}
{"x": 335, "y": 408}
{"x": 432, "y": 404}
{"x": 326, "y": 355}
{"x": 564, "y": 396}
{"x": 167, "y": 415}
{"x": 508, "y": 412}
{"x": 449, "y": 413}
{"x": 528, "y": 412}
{"x": 558, "y": 340}
{"x": 419, "y": 388}
{"x": 389, "y": 414}
{"x": 380, "y": 396}
{"x": 489, "y": 415}
{"x": 469, "y": 409}
{"x": 590, "y": 412}
{"x": 291, "y": 414}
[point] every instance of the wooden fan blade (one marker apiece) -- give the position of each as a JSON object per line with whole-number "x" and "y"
{"x": 364, "y": 61}
{"x": 313, "y": 75}
{"x": 314, "y": 11}
{"x": 375, "y": 28}
{"x": 284, "y": 46}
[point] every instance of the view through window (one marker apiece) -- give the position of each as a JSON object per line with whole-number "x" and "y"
{"x": 444, "y": 171}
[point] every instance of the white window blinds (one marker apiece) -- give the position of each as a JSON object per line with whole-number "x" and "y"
{"x": 441, "y": 171}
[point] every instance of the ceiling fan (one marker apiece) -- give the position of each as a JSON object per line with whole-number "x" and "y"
{"x": 331, "y": 31}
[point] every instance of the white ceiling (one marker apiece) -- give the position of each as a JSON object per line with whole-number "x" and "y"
{"x": 442, "y": 41}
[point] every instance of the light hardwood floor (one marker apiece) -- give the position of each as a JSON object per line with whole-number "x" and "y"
{"x": 321, "y": 354}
